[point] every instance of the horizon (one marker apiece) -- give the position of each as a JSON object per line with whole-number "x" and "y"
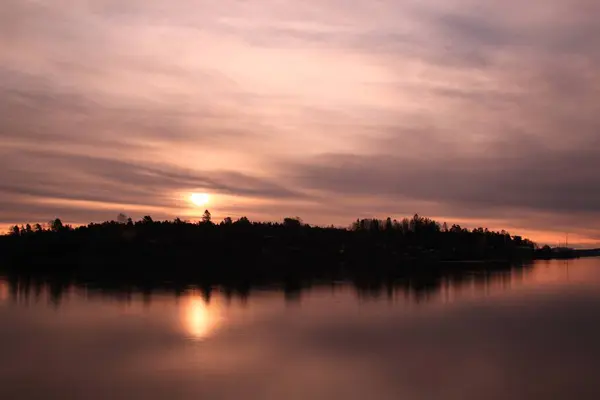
{"x": 474, "y": 114}
{"x": 218, "y": 219}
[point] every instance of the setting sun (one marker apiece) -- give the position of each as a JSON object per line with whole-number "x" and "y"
{"x": 199, "y": 199}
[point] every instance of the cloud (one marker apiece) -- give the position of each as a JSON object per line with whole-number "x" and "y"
{"x": 557, "y": 181}
{"x": 59, "y": 180}
{"x": 459, "y": 108}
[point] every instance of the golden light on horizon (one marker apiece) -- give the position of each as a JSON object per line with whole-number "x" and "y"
{"x": 199, "y": 199}
{"x": 198, "y": 318}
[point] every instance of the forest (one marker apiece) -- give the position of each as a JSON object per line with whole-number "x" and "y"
{"x": 256, "y": 251}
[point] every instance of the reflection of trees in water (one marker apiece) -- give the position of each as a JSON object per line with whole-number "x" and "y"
{"x": 27, "y": 288}
{"x": 417, "y": 287}
{"x": 422, "y": 288}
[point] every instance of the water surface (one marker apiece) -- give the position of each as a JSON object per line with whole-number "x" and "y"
{"x": 527, "y": 333}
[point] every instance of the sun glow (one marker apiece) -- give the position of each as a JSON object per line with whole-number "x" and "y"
{"x": 199, "y": 199}
{"x": 198, "y": 318}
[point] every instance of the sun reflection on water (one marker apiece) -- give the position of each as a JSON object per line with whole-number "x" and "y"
{"x": 199, "y": 318}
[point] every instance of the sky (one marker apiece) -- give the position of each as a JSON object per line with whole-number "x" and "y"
{"x": 480, "y": 113}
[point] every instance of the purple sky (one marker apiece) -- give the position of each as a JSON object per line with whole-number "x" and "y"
{"x": 479, "y": 113}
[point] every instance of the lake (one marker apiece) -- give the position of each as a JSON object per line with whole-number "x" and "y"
{"x": 531, "y": 332}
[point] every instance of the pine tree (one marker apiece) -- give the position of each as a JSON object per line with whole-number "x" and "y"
{"x": 206, "y": 217}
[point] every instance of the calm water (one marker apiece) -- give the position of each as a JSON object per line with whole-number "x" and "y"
{"x": 530, "y": 333}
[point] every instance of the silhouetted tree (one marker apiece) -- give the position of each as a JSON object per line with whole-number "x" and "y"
{"x": 243, "y": 221}
{"x": 415, "y": 223}
{"x": 206, "y": 217}
{"x": 376, "y": 225}
{"x": 456, "y": 229}
{"x": 292, "y": 222}
{"x": 56, "y": 225}
{"x": 227, "y": 221}
{"x": 405, "y": 225}
{"x": 388, "y": 224}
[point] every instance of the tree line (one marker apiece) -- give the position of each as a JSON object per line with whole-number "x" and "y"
{"x": 252, "y": 250}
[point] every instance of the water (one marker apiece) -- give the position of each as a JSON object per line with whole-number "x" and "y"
{"x": 531, "y": 333}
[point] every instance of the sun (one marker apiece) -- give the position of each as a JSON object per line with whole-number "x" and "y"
{"x": 199, "y": 199}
